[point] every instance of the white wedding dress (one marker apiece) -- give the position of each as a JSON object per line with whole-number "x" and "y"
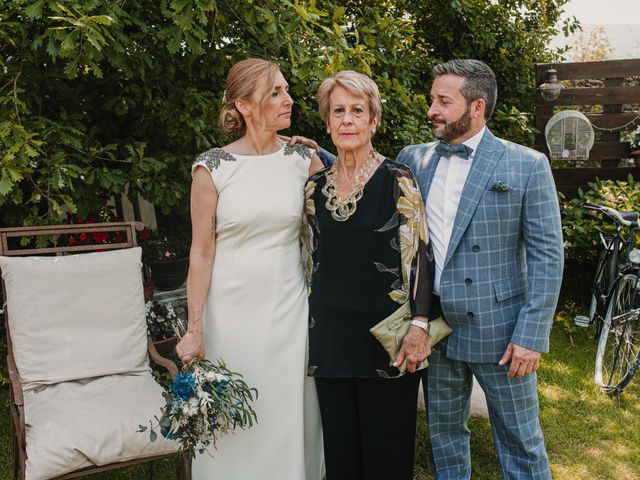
{"x": 255, "y": 316}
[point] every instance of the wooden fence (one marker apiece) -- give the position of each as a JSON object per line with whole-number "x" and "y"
{"x": 614, "y": 90}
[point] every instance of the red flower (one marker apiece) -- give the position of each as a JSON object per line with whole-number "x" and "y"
{"x": 117, "y": 238}
{"x": 100, "y": 237}
{"x": 71, "y": 241}
{"x": 83, "y": 237}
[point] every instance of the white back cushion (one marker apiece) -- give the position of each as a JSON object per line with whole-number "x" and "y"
{"x": 75, "y": 317}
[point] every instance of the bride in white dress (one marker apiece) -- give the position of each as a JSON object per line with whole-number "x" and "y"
{"x": 247, "y": 300}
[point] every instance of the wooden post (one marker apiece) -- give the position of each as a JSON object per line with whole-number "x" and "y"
{"x": 611, "y": 136}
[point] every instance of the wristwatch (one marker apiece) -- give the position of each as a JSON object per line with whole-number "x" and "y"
{"x": 420, "y": 324}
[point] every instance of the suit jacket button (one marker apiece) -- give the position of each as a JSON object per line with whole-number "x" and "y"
{"x": 475, "y": 248}
{"x": 468, "y": 281}
{"x": 470, "y": 314}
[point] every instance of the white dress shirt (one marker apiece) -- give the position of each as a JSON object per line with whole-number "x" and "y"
{"x": 443, "y": 199}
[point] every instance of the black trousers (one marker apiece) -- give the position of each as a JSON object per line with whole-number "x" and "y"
{"x": 369, "y": 426}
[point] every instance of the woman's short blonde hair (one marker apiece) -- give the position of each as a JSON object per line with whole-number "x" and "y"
{"x": 355, "y": 83}
{"x": 242, "y": 81}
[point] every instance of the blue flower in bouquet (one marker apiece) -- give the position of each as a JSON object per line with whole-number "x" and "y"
{"x": 183, "y": 385}
{"x": 222, "y": 385}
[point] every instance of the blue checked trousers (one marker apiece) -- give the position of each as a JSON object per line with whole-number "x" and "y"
{"x": 513, "y": 411}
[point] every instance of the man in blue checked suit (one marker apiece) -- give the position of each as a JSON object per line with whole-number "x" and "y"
{"x": 494, "y": 224}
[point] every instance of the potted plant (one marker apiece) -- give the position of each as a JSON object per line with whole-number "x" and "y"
{"x": 167, "y": 258}
{"x": 163, "y": 324}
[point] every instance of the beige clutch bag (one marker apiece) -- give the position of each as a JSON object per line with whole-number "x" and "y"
{"x": 391, "y": 331}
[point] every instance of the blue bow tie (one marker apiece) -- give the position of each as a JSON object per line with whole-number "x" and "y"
{"x": 460, "y": 150}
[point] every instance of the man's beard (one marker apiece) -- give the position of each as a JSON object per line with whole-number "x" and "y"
{"x": 453, "y": 130}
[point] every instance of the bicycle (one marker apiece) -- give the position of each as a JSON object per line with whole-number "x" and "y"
{"x": 615, "y": 303}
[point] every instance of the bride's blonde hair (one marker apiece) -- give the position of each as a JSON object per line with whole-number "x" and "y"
{"x": 242, "y": 81}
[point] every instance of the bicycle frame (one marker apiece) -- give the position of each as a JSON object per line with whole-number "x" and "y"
{"x": 607, "y": 266}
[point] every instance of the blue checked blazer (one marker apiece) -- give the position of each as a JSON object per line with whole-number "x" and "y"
{"x": 503, "y": 266}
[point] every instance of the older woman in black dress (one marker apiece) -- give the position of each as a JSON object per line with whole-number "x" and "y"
{"x": 368, "y": 253}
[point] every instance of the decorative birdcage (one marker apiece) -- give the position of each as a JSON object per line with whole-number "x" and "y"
{"x": 569, "y": 136}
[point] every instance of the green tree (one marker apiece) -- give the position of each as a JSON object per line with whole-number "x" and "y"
{"x": 99, "y": 95}
{"x": 594, "y": 47}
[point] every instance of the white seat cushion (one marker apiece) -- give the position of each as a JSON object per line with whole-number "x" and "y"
{"x": 77, "y": 316}
{"x": 78, "y": 424}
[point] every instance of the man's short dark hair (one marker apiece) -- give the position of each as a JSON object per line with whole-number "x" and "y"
{"x": 480, "y": 81}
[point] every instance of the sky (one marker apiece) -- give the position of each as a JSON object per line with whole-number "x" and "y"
{"x": 609, "y": 14}
{"x": 604, "y": 12}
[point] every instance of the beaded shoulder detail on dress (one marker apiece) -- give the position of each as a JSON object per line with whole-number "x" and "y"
{"x": 298, "y": 148}
{"x": 211, "y": 158}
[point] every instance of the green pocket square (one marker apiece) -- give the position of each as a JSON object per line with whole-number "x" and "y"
{"x": 501, "y": 187}
{"x": 391, "y": 331}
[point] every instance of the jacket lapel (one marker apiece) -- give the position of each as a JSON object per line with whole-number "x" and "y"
{"x": 427, "y": 170}
{"x": 484, "y": 163}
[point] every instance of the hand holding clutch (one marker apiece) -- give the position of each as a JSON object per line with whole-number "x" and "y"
{"x": 391, "y": 331}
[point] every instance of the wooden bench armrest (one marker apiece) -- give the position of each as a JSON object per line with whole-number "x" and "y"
{"x": 14, "y": 379}
{"x": 17, "y": 409}
{"x": 160, "y": 360}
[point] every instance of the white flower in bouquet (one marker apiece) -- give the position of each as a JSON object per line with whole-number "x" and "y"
{"x": 215, "y": 377}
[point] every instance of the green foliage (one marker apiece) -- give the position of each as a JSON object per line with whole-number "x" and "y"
{"x": 101, "y": 98}
{"x": 163, "y": 246}
{"x": 582, "y": 228}
{"x": 510, "y": 36}
{"x": 514, "y": 124}
{"x": 634, "y": 139}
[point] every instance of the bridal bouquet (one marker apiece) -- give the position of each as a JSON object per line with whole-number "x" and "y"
{"x": 205, "y": 401}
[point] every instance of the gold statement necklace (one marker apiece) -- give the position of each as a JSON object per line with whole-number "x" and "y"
{"x": 342, "y": 209}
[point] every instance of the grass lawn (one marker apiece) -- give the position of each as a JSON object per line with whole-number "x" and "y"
{"x": 588, "y": 435}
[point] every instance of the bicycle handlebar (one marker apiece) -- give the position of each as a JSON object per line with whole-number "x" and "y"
{"x": 612, "y": 213}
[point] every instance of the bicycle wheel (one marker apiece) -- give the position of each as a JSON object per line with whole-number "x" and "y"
{"x": 618, "y": 354}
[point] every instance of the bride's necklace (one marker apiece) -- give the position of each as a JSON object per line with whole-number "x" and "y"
{"x": 342, "y": 209}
